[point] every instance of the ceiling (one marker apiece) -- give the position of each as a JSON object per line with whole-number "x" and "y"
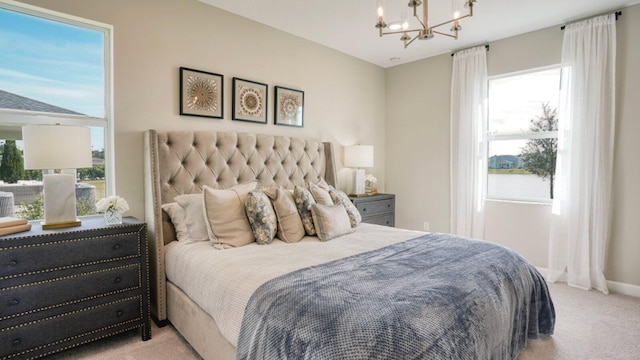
{"x": 348, "y": 25}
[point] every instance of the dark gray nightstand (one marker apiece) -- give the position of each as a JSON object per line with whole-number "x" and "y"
{"x": 66, "y": 287}
{"x": 376, "y": 209}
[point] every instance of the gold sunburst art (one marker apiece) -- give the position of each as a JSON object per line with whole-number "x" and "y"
{"x": 289, "y": 107}
{"x": 201, "y": 93}
{"x": 250, "y": 101}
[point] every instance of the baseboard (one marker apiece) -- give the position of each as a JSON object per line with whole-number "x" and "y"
{"x": 613, "y": 286}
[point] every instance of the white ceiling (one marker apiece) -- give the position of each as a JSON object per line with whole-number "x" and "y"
{"x": 348, "y": 25}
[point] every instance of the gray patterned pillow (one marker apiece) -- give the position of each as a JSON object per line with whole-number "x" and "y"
{"x": 262, "y": 217}
{"x": 339, "y": 197}
{"x": 304, "y": 200}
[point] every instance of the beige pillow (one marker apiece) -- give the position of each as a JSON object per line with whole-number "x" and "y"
{"x": 194, "y": 216}
{"x": 330, "y": 221}
{"x": 320, "y": 195}
{"x": 290, "y": 228}
{"x": 176, "y": 213}
{"x": 228, "y": 223}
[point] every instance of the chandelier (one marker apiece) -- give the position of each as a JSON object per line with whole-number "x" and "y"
{"x": 425, "y": 31}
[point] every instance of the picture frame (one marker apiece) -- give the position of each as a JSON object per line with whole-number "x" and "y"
{"x": 250, "y": 101}
{"x": 289, "y": 107}
{"x": 201, "y": 93}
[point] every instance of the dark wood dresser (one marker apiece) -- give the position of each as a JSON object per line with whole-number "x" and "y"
{"x": 376, "y": 209}
{"x": 67, "y": 287}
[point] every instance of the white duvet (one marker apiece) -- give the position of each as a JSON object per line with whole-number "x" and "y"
{"x": 222, "y": 281}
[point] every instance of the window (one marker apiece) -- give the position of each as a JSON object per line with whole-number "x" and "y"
{"x": 54, "y": 69}
{"x": 522, "y": 135}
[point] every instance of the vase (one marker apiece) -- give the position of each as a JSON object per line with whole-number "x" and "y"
{"x": 112, "y": 217}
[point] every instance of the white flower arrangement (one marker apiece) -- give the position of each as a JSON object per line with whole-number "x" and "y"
{"x": 113, "y": 202}
{"x": 370, "y": 178}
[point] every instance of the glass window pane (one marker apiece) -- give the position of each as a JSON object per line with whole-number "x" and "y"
{"x": 49, "y": 66}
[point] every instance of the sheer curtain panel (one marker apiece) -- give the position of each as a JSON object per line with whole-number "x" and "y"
{"x": 468, "y": 143}
{"x": 581, "y": 220}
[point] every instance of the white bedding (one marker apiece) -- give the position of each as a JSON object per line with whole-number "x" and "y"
{"x": 222, "y": 281}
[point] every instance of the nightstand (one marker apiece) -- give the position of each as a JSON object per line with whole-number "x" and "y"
{"x": 66, "y": 287}
{"x": 376, "y": 209}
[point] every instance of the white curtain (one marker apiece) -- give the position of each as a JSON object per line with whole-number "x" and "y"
{"x": 581, "y": 220}
{"x": 468, "y": 142}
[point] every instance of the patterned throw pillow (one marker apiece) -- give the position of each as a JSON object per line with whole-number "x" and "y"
{"x": 331, "y": 221}
{"x": 339, "y": 197}
{"x": 304, "y": 200}
{"x": 262, "y": 217}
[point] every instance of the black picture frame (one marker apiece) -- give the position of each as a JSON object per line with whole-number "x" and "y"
{"x": 250, "y": 99}
{"x": 201, "y": 93}
{"x": 288, "y": 107}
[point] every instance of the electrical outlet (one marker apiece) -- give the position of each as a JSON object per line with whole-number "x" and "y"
{"x": 426, "y": 226}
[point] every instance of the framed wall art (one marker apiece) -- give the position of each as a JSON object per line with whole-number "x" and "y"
{"x": 249, "y": 101}
{"x": 201, "y": 93}
{"x": 289, "y": 107}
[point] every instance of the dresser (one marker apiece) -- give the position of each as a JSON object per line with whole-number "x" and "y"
{"x": 66, "y": 287}
{"x": 376, "y": 209}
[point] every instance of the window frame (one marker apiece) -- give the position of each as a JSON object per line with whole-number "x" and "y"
{"x": 492, "y": 137}
{"x": 21, "y": 117}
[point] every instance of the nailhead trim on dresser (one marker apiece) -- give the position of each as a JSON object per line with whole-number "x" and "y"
{"x": 86, "y": 302}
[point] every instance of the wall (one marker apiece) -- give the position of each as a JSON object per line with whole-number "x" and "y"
{"x": 418, "y": 148}
{"x": 344, "y": 96}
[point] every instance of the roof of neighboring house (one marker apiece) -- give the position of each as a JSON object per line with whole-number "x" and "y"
{"x": 16, "y": 102}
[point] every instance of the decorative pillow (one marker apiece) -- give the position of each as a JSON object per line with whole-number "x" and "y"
{"x": 331, "y": 221}
{"x": 194, "y": 217}
{"x": 320, "y": 195}
{"x": 227, "y": 219}
{"x": 290, "y": 227}
{"x": 304, "y": 199}
{"x": 176, "y": 213}
{"x": 339, "y": 197}
{"x": 262, "y": 217}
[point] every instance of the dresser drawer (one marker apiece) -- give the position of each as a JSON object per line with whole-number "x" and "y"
{"x": 371, "y": 208}
{"x": 28, "y": 298}
{"x": 21, "y": 340}
{"x": 66, "y": 252}
{"x": 386, "y": 220}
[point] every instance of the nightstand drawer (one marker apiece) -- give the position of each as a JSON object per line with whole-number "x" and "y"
{"x": 68, "y": 251}
{"x": 67, "y": 327}
{"x": 386, "y": 220}
{"x": 28, "y": 298}
{"x": 371, "y": 208}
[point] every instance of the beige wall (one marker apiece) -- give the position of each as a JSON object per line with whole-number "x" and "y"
{"x": 344, "y": 96}
{"x": 418, "y": 147}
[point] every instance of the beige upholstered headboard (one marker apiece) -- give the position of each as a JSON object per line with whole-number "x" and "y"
{"x": 182, "y": 162}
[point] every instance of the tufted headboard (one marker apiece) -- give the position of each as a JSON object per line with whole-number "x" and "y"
{"x": 182, "y": 162}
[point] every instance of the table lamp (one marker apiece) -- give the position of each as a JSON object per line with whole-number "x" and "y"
{"x": 56, "y": 147}
{"x": 358, "y": 157}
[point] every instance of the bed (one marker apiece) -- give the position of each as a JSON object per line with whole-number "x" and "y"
{"x": 331, "y": 299}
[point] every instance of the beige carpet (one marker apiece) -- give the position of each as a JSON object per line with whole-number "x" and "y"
{"x": 589, "y": 325}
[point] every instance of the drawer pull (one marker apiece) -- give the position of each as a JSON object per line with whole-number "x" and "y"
{"x": 16, "y": 342}
{"x": 364, "y": 209}
{"x": 388, "y": 205}
{"x": 116, "y": 247}
{"x": 13, "y": 263}
{"x": 14, "y": 302}
{"x": 118, "y": 280}
{"x": 119, "y": 313}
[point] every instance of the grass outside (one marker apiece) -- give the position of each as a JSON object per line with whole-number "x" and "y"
{"x": 508, "y": 171}
{"x": 100, "y": 187}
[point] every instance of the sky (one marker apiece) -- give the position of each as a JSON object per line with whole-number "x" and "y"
{"x": 55, "y": 63}
{"x": 52, "y": 62}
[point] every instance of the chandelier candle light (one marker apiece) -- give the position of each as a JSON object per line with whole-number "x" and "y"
{"x": 425, "y": 31}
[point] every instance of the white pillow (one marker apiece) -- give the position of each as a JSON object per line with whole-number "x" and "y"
{"x": 194, "y": 217}
{"x": 226, "y": 215}
{"x": 176, "y": 213}
{"x": 330, "y": 221}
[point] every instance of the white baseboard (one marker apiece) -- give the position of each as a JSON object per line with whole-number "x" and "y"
{"x": 614, "y": 286}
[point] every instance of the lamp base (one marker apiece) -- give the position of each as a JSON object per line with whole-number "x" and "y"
{"x": 63, "y": 225}
{"x": 358, "y": 187}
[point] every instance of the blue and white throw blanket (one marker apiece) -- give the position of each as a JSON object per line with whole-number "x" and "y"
{"x": 438, "y": 296}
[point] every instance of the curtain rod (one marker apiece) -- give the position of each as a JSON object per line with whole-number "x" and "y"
{"x": 618, "y": 14}
{"x": 486, "y": 46}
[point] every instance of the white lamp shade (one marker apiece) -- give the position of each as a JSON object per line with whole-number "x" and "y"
{"x": 56, "y": 147}
{"x": 358, "y": 156}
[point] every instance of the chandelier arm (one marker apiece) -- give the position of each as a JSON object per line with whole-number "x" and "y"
{"x": 445, "y": 34}
{"x": 452, "y": 20}
{"x": 400, "y": 31}
{"x": 410, "y": 41}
